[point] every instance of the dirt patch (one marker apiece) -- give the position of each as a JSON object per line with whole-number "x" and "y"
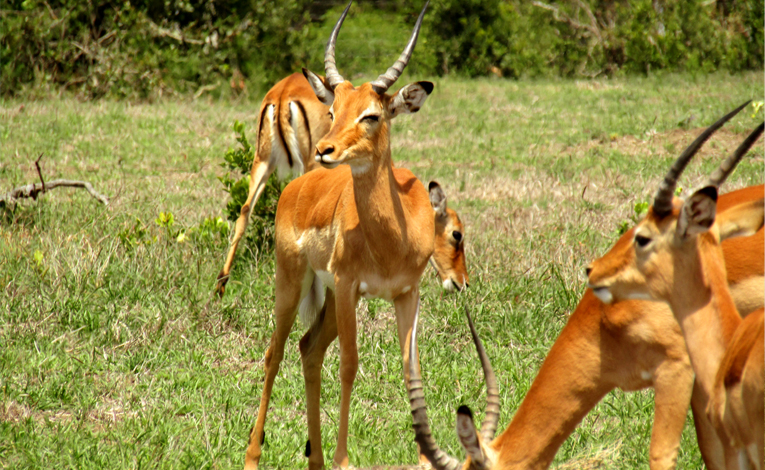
{"x": 665, "y": 144}
{"x": 105, "y": 411}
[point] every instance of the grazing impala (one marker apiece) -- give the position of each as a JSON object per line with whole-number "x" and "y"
{"x": 675, "y": 256}
{"x": 363, "y": 228}
{"x": 292, "y": 121}
{"x": 630, "y": 345}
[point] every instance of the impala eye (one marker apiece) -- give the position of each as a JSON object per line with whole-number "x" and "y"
{"x": 457, "y": 236}
{"x": 372, "y": 118}
{"x": 331, "y": 117}
{"x": 642, "y": 241}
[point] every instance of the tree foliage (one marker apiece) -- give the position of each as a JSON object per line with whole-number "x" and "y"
{"x": 146, "y": 48}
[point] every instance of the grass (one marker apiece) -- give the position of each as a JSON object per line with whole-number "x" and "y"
{"x": 115, "y": 353}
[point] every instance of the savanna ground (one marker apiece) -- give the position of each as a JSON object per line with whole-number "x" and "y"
{"x": 115, "y": 354}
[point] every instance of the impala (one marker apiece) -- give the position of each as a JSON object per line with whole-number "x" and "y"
{"x": 631, "y": 345}
{"x": 292, "y": 121}
{"x": 675, "y": 256}
{"x": 355, "y": 227}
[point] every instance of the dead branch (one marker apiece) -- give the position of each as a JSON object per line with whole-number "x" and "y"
{"x": 32, "y": 190}
{"x": 562, "y": 17}
{"x": 159, "y": 31}
{"x": 39, "y": 172}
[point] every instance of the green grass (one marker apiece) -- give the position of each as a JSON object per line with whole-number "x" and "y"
{"x": 116, "y": 355}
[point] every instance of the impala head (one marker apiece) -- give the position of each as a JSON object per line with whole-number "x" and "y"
{"x": 359, "y": 135}
{"x": 642, "y": 264}
{"x": 480, "y": 454}
{"x": 449, "y": 250}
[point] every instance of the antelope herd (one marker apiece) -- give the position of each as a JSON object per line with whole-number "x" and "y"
{"x": 663, "y": 307}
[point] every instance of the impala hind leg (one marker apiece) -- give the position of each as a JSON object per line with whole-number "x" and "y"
{"x": 287, "y": 297}
{"x": 346, "y": 299}
{"x": 259, "y": 175}
{"x": 313, "y": 347}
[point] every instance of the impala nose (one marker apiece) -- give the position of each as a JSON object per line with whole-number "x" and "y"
{"x": 323, "y": 150}
{"x": 588, "y": 270}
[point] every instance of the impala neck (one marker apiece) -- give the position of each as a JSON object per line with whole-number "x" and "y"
{"x": 704, "y": 307}
{"x": 381, "y": 215}
{"x": 569, "y": 384}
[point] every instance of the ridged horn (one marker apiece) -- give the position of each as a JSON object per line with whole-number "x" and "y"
{"x": 387, "y": 79}
{"x": 662, "y": 202}
{"x": 491, "y": 419}
{"x": 727, "y": 167}
{"x": 439, "y": 459}
{"x": 330, "y": 66}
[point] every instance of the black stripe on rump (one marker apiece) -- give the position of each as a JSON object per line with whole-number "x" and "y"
{"x": 281, "y": 133}
{"x": 305, "y": 123}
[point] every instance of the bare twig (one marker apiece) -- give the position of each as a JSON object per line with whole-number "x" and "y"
{"x": 205, "y": 89}
{"x": 560, "y": 16}
{"x": 159, "y": 31}
{"x": 39, "y": 172}
{"x": 33, "y": 189}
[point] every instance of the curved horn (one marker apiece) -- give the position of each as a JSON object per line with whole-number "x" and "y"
{"x": 662, "y": 202}
{"x": 490, "y": 420}
{"x": 387, "y": 79}
{"x": 330, "y": 67}
{"x": 422, "y": 434}
{"x": 727, "y": 167}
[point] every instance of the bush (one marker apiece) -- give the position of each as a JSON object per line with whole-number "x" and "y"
{"x": 589, "y": 37}
{"x": 143, "y": 48}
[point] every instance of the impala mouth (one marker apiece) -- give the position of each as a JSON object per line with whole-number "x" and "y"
{"x": 602, "y": 293}
{"x": 327, "y": 162}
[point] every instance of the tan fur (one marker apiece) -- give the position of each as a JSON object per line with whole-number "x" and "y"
{"x": 449, "y": 254}
{"x": 630, "y": 345}
{"x": 293, "y": 94}
{"x": 607, "y": 346}
{"x": 274, "y": 146}
{"x": 703, "y": 306}
{"x": 368, "y": 229}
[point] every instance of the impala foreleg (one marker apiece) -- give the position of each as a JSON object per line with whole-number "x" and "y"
{"x": 346, "y": 299}
{"x": 261, "y": 171}
{"x": 285, "y": 311}
{"x": 313, "y": 347}
{"x": 673, "y": 386}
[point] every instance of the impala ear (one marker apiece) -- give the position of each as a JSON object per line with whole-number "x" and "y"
{"x": 320, "y": 87}
{"x": 437, "y": 198}
{"x": 742, "y": 220}
{"x": 410, "y": 98}
{"x": 697, "y": 213}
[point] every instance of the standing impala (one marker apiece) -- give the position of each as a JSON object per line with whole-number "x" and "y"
{"x": 675, "y": 256}
{"x": 355, "y": 227}
{"x": 292, "y": 121}
{"x": 630, "y": 344}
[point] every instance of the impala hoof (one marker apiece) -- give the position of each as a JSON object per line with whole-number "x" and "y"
{"x": 220, "y": 287}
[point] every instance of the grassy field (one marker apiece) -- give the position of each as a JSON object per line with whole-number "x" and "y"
{"x": 116, "y": 355}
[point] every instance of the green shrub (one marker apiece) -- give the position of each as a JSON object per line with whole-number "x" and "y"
{"x": 146, "y": 48}
{"x": 589, "y": 37}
